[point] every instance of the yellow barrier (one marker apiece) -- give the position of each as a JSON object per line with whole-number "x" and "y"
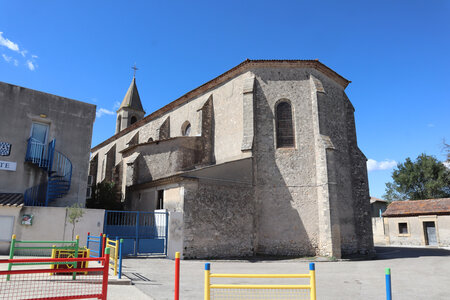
{"x": 114, "y": 257}
{"x": 260, "y": 291}
{"x": 69, "y": 253}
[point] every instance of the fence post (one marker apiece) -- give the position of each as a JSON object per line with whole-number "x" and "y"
{"x": 87, "y": 242}
{"x": 120, "y": 258}
{"x": 100, "y": 245}
{"x": 136, "y": 245}
{"x": 77, "y": 243}
{"x": 312, "y": 283}
{"x": 105, "y": 274}
{"x": 116, "y": 255}
{"x": 103, "y": 244}
{"x": 166, "y": 233}
{"x": 177, "y": 275}
{"x": 207, "y": 280}
{"x": 388, "y": 284}
{"x": 11, "y": 254}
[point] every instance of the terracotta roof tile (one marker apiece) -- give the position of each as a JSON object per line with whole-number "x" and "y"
{"x": 10, "y": 199}
{"x": 418, "y": 207}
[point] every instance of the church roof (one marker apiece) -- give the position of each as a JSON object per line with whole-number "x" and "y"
{"x": 132, "y": 99}
{"x": 233, "y": 72}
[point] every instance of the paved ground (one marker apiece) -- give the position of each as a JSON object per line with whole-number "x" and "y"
{"x": 417, "y": 273}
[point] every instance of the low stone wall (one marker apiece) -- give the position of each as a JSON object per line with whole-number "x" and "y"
{"x": 218, "y": 220}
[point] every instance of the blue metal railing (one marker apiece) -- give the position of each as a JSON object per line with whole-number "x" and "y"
{"x": 58, "y": 167}
{"x": 36, "y": 195}
{"x": 94, "y": 242}
{"x": 37, "y": 153}
{"x": 61, "y": 166}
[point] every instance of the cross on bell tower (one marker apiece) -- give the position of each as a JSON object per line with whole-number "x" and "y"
{"x": 134, "y": 69}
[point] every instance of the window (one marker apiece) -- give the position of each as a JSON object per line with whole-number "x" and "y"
{"x": 103, "y": 168}
{"x": 150, "y": 140}
{"x": 186, "y": 129}
{"x": 284, "y": 126}
{"x": 133, "y": 120}
{"x": 160, "y": 200}
{"x": 402, "y": 228}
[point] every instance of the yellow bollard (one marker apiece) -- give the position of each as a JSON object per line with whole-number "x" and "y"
{"x": 312, "y": 274}
{"x": 207, "y": 281}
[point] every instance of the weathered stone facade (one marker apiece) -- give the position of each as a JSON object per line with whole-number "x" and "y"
{"x": 238, "y": 192}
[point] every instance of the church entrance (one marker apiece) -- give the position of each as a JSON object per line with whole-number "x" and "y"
{"x": 143, "y": 233}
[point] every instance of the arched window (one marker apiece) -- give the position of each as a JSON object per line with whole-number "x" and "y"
{"x": 284, "y": 125}
{"x": 186, "y": 128}
{"x": 133, "y": 120}
{"x": 150, "y": 140}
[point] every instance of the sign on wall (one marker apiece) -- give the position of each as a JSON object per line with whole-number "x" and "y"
{"x": 8, "y": 165}
{"x": 27, "y": 220}
{"x": 5, "y": 149}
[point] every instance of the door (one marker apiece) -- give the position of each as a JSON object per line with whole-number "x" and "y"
{"x": 39, "y": 132}
{"x": 36, "y": 150}
{"x": 429, "y": 229}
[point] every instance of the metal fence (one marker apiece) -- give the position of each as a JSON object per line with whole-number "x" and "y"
{"x": 142, "y": 232}
{"x": 52, "y": 283}
{"x": 260, "y": 291}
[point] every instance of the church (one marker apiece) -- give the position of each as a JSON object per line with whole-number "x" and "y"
{"x": 261, "y": 160}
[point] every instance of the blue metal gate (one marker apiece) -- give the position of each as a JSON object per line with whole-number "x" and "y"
{"x": 142, "y": 232}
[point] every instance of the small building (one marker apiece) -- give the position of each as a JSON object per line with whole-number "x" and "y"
{"x": 418, "y": 223}
{"x": 377, "y": 206}
{"x": 44, "y": 147}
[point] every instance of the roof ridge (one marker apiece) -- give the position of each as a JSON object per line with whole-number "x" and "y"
{"x": 231, "y": 73}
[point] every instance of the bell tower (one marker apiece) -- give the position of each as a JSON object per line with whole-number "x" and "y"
{"x": 130, "y": 110}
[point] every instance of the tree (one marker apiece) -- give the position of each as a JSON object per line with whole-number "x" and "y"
{"x": 105, "y": 196}
{"x": 447, "y": 150}
{"x": 75, "y": 213}
{"x": 425, "y": 178}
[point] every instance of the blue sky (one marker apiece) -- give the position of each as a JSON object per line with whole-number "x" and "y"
{"x": 396, "y": 53}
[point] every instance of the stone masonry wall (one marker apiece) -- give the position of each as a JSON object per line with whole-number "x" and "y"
{"x": 286, "y": 197}
{"x": 218, "y": 220}
{"x": 337, "y": 122}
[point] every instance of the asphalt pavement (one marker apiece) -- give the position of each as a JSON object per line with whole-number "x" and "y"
{"x": 417, "y": 273}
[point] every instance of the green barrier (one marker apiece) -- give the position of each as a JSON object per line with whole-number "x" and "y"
{"x": 72, "y": 245}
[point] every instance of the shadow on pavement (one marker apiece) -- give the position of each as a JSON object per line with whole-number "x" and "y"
{"x": 406, "y": 252}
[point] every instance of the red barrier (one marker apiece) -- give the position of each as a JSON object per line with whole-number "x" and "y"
{"x": 40, "y": 283}
{"x": 103, "y": 244}
{"x": 177, "y": 275}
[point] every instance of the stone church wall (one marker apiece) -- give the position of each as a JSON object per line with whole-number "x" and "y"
{"x": 306, "y": 200}
{"x": 337, "y": 122}
{"x": 286, "y": 198}
{"x": 218, "y": 220}
{"x": 227, "y": 123}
